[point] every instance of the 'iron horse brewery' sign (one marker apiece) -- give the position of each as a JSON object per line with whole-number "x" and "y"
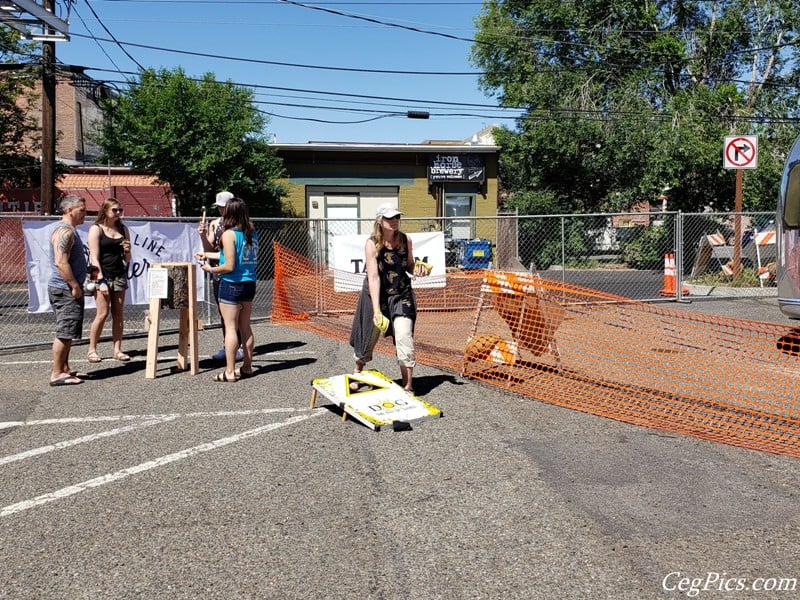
{"x": 456, "y": 167}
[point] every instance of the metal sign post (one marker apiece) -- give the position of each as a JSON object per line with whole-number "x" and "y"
{"x": 739, "y": 152}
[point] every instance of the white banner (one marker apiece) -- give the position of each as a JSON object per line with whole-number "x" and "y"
{"x": 347, "y": 260}
{"x": 151, "y": 243}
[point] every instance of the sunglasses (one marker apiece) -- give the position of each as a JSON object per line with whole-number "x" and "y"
{"x": 117, "y": 210}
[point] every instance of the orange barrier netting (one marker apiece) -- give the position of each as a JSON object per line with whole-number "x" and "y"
{"x": 727, "y": 380}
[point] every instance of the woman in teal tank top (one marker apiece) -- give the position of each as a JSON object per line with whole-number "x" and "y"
{"x": 237, "y": 287}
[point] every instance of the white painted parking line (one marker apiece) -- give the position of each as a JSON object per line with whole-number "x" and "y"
{"x": 81, "y": 440}
{"x": 152, "y": 464}
{"x": 106, "y": 418}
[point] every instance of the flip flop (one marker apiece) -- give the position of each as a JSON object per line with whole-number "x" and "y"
{"x": 240, "y": 374}
{"x": 79, "y": 374}
{"x": 121, "y": 357}
{"x": 94, "y": 357}
{"x": 223, "y": 377}
{"x": 65, "y": 380}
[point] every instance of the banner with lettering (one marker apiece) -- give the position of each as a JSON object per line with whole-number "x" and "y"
{"x": 151, "y": 243}
{"x": 347, "y": 258}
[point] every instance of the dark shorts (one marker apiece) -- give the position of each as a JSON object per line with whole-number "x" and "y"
{"x": 69, "y": 313}
{"x": 236, "y": 293}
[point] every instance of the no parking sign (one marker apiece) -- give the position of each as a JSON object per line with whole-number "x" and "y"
{"x": 740, "y": 152}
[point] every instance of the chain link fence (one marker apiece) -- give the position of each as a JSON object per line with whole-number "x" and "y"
{"x": 624, "y": 254}
{"x": 655, "y": 256}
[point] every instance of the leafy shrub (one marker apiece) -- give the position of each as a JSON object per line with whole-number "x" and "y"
{"x": 646, "y": 246}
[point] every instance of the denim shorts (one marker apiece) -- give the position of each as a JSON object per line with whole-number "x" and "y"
{"x": 69, "y": 313}
{"x": 236, "y": 292}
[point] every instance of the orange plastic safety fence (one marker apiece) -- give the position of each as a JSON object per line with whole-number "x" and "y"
{"x": 721, "y": 379}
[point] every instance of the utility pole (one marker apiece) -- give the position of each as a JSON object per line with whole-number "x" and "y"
{"x": 39, "y": 23}
{"x": 48, "y": 120}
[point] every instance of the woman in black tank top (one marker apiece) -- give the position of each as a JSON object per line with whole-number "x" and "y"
{"x": 110, "y": 253}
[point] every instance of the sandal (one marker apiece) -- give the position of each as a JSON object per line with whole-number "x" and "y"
{"x": 65, "y": 380}
{"x": 242, "y": 374}
{"x": 94, "y": 357}
{"x": 223, "y": 377}
{"x": 121, "y": 357}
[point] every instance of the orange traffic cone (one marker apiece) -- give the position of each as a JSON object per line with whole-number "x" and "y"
{"x": 670, "y": 276}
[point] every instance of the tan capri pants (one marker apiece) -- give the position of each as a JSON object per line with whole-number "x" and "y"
{"x": 404, "y": 341}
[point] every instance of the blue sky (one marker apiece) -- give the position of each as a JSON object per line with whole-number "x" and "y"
{"x": 304, "y": 36}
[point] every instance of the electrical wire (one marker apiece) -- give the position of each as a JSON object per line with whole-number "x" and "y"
{"x": 99, "y": 45}
{"x": 113, "y": 39}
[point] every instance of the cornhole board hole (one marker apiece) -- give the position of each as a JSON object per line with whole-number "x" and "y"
{"x": 373, "y": 399}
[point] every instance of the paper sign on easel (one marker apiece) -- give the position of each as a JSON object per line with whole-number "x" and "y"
{"x": 157, "y": 282}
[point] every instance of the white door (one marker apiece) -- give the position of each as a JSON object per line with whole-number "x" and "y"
{"x": 341, "y": 212}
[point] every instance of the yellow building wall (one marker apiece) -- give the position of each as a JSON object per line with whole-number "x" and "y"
{"x": 414, "y": 197}
{"x": 295, "y": 202}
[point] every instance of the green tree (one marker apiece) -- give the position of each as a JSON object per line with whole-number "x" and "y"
{"x": 624, "y": 99}
{"x": 19, "y": 133}
{"x": 199, "y": 136}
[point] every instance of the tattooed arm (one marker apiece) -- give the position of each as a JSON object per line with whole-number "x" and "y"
{"x": 63, "y": 239}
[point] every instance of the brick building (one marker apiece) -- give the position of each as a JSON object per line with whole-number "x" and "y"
{"x": 77, "y": 115}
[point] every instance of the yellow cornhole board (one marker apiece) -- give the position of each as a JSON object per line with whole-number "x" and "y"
{"x": 374, "y": 399}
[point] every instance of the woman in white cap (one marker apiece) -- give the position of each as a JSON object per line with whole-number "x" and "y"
{"x": 387, "y": 295}
{"x": 211, "y": 236}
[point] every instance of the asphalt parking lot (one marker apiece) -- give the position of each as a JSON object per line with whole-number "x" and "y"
{"x": 181, "y": 487}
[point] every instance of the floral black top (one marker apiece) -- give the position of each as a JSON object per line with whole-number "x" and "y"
{"x": 397, "y": 298}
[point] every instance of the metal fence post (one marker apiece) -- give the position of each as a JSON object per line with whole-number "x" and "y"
{"x": 320, "y": 250}
{"x": 563, "y": 250}
{"x": 679, "y": 257}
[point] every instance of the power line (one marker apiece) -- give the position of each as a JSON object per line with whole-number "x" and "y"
{"x": 324, "y": 93}
{"x": 278, "y": 63}
{"x": 99, "y": 45}
{"x": 113, "y": 39}
{"x": 550, "y": 114}
{"x": 341, "y": 95}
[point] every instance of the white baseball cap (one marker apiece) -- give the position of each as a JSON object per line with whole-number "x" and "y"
{"x": 223, "y": 198}
{"x": 386, "y": 211}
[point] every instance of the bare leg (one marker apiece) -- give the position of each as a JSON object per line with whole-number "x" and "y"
{"x": 117, "y": 319}
{"x": 61, "y": 350}
{"x": 408, "y": 375}
{"x": 230, "y": 315}
{"x": 245, "y": 334}
{"x": 102, "y": 301}
{"x": 215, "y": 287}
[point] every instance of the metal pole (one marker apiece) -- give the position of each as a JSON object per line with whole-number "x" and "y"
{"x": 563, "y": 252}
{"x": 737, "y": 226}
